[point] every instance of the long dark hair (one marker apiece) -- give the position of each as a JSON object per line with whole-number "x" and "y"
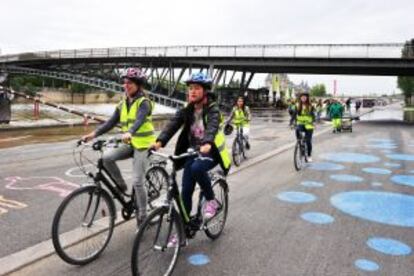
{"x": 307, "y": 107}
{"x": 244, "y": 104}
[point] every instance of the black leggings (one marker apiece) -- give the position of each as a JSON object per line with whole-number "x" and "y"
{"x": 308, "y": 137}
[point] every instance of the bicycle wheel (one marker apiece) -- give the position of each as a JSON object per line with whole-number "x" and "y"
{"x": 215, "y": 226}
{"x": 155, "y": 179}
{"x": 297, "y": 157}
{"x": 151, "y": 254}
{"x": 244, "y": 148}
{"x": 83, "y": 225}
{"x": 236, "y": 153}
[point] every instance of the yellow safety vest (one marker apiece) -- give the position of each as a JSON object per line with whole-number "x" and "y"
{"x": 220, "y": 143}
{"x": 305, "y": 118}
{"x": 144, "y": 137}
{"x": 239, "y": 118}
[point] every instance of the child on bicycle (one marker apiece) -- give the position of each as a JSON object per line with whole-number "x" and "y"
{"x": 241, "y": 117}
{"x": 134, "y": 115}
{"x": 305, "y": 118}
{"x": 200, "y": 121}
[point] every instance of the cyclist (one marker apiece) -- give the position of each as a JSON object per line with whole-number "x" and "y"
{"x": 305, "y": 118}
{"x": 201, "y": 120}
{"x": 292, "y": 112}
{"x": 241, "y": 117}
{"x": 336, "y": 111}
{"x": 134, "y": 114}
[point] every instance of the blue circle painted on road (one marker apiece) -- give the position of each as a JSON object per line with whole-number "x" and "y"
{"x": 350, "y": 157}
{"x": 324, "y": 166}
{"x": 198, "y": 259}
{"x": 392, "y": 165}
{"x": 376, "y": 171}
{"x": 317, "y": 218}
{"x": 296, "y": 197}
{"x": 386, "y": 151}
{"x": 389, "y": 246}
{"x": 401, "y": 179}
{"x": 382, "y": 207}
{"x": 366, "y": 265}
{"x": 346, "y": 178}
{"x": 312, "y": 184}
{"x": 401, "y": 156}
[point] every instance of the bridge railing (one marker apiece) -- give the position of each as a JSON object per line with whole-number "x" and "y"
{"x": 94, "y": 82}
{"x": 384, "y": 50}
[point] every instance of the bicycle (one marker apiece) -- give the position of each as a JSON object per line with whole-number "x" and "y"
{"x": 300, "y": 156}
{"x": 83, "y": 223}
{"x": 239, "y": 147}
{"x": 171, "y": 221}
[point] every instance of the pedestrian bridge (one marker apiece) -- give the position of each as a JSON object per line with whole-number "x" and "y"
{"x": 167, "y": 65}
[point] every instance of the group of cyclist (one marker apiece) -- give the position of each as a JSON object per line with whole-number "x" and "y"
{"x": 202, "y": 129}
{"x": 201, "y": 125}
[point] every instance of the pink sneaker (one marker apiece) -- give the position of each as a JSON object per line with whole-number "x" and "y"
{"x": 210, "y": 209}
{"x": 172, "y": 241}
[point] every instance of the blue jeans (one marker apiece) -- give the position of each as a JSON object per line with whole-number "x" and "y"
{"x": 196, "y": 170}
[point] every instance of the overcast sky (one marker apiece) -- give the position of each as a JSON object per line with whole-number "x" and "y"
{"x": 28, "y": 25}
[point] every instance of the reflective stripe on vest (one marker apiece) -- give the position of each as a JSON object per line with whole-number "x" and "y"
{"x": 144, "y": 137}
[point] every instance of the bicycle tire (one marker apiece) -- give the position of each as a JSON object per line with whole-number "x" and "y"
{"x": 138, "y": 266}
{"x": 223, "y": 199}
{"x": 73, "y": 242}
{"x": 236, "y": 154}
{"x": 297, "y": 157}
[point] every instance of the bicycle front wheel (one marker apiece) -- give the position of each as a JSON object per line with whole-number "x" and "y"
{"x": 83, "y": 225}
{"x": 157, "y": 245}
{"x": 156, "y": 179}
{"x": 236, "y": 152}
{"x": 298, "y": 157}
{"x": 215, "y": 226}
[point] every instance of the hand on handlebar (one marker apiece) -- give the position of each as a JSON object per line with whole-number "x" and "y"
{"x": 204, "y": 149}
{"x": 88, "y": 137}
{"x": 126, "y": 137}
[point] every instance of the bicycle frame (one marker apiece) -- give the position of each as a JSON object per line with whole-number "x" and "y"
{"x": 174, "y": 196}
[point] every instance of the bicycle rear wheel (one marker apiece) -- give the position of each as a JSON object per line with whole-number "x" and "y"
{"x": 237, "y": 156}
{"x": 298, "y": 158}
{"x": 83, "y": 225}
{"x": 151, "y": 253}
{"x": 215, "y": 226}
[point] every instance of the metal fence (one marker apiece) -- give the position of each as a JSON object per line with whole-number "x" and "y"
{"x": 384, "y": 50}
{"x": 94, "y": 82}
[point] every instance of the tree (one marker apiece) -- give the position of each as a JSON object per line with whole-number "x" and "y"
{"x": 318, "y": 90}
{"x": 405, "y": 83}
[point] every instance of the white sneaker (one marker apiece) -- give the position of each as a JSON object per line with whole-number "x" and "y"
{"x": 310, "y": 159}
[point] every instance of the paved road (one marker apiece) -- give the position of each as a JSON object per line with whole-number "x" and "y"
{"x": 35, "y": 178}
{"x": 360, "y": 187}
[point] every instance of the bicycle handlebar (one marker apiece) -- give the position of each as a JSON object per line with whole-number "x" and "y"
{"x": 100, "y": 143}
{"x": 190, "y": 152}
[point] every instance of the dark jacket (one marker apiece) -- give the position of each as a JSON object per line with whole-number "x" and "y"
{"x": 184, "y": 118}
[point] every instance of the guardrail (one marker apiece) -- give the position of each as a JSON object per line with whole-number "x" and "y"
{"x": 378, "y": 50}
{"x": 94, "y": 82}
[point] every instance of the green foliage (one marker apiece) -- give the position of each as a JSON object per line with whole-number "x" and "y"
{"x": 318, "y": 90}
{"x": 79, "y": 88}
{"x": 405, "y": 83}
